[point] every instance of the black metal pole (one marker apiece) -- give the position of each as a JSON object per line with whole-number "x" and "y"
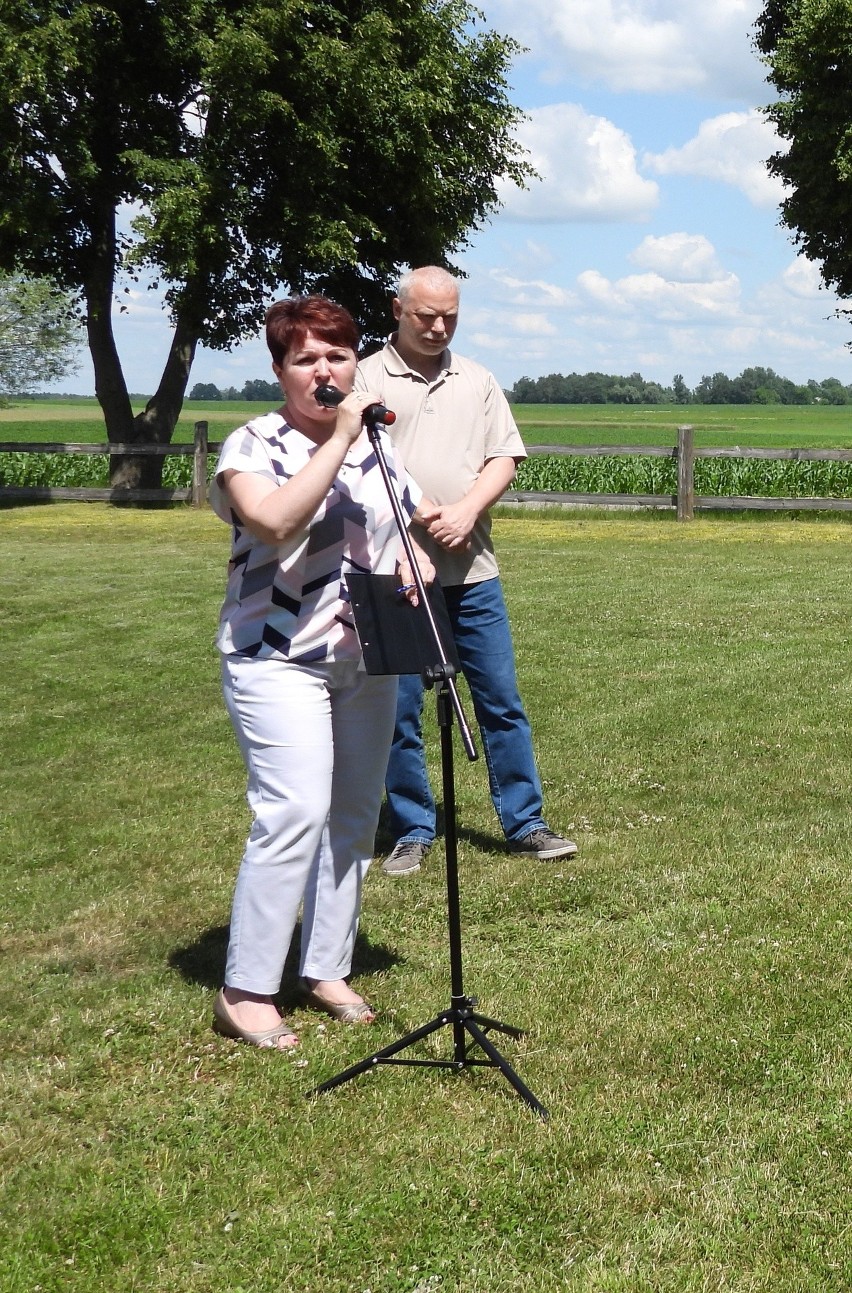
{"x": 462, "y": 1015}
{"x": 445, "y": 720}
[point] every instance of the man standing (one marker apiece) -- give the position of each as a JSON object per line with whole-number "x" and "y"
{"x": 460, "y": 443}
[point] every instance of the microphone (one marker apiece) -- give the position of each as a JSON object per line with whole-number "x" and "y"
{"x": 330, "y": 397}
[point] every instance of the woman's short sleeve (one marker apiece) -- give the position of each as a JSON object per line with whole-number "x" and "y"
{"x": 244, "y": 450}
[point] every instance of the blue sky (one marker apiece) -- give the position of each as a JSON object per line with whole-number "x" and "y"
{"x": 651, "y": 243}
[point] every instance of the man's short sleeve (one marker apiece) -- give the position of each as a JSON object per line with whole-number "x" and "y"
{"x": 502, "y": 437}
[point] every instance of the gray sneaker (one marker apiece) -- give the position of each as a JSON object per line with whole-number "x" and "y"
{"x": 544, "y": 844}
{"x": 406, "y": 857}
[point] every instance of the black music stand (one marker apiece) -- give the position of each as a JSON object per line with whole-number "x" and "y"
{"x": 394, "y": 633}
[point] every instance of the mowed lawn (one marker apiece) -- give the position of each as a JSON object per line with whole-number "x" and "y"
{"x": 684, "y": 981}
{"x": 716, "y": 425}
{"x": 776, "y": 425}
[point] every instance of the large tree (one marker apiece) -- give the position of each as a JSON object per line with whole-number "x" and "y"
{"x": 39, "y": 336}
{"x": 807, "y": 45}
{"x": 230, "y": 147}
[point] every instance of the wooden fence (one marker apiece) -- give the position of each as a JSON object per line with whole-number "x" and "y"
{"x": 685, "y": 501}
{"x": 200, "y": 449}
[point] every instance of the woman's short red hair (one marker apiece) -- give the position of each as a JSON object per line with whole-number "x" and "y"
{"x": 289, "y": 322}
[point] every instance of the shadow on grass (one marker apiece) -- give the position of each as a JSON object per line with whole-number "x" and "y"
{"x": 385, "y": 838}
{"x": 203, "y": 961}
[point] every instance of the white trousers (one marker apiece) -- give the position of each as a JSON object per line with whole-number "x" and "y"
{"x": 315, "y": 740}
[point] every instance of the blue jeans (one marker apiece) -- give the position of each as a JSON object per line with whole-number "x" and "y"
{"x": 484, "y": 644}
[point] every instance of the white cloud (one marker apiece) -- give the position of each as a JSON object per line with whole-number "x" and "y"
{"x": 682, "y": 311}
{"x": 799, "y": 314}
{"x": 681, "y": 257}
{"x": 520, "y": 349}
{"x": 731, "y": 148}
{"x": 802, "y": 278}
{"x": 536, "y": 291}
{"x": 657, "y": 299}
{"x": 683, "y": 283}
{"x": 657, "y": 46}
{"x": 534, "y": 325}
{"x": 587, "y": 168}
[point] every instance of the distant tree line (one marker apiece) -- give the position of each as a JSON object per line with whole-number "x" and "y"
{"x": 753, "y": 386}
{"x": 255, "y": 392}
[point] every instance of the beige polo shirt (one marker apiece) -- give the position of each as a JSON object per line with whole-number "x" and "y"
{"x": 447, "y": 430}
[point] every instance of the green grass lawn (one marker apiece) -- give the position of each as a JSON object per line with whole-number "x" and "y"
{"x": 684, "y": 981}
{"x": 777, "y": 425}
{"x": 715, "y": 425}
{"x": 81, "y": 420}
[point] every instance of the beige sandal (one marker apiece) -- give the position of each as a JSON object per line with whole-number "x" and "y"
{"x": 226, "y": 1026}
{"x": 346, "y": 1012}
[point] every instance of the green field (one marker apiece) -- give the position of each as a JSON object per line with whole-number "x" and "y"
{"x": 82, "y": 421}
{"x": 772, "y": 426}
{"x": 684, "y": 981}
{"x": 777, "y": 425}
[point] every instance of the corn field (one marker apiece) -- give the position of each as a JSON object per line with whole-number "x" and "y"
{"x": 719, "y": 477}
{"x": 89, "y": 471}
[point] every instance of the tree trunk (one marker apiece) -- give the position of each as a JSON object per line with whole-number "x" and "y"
{"x": 110, "y": 386}
{"x": 156, "y": 423}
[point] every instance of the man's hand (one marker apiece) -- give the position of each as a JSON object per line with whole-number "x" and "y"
{"x": 451, "y": 524}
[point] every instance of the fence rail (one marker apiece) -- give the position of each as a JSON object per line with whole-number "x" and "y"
{"x": 200, "y": 449}
{"x": 685, "y": 500}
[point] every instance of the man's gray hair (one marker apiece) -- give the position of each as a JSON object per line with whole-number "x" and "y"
{"x": 430, "y": 275}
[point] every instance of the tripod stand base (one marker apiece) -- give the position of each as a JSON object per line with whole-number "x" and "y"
{"x": 470, "y": 1030}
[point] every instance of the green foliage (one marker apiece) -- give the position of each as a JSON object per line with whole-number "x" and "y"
{"x": 718, "y": 477}
{"x": 754, "y": 477}
{"x": 54, "y": 470}
{"x": 807, "y": 45}
{"x": 81, "y": 471}
{"x": 774, "y": 425}
{"x": 598, "y": 475}
{"x": 253, "y": 391}
{"x": 588, "y": 388}
{"x": 302, "y": 143}
{"x": 38, "y": 334}
{"x": 683, "y": 983}
{"x": 752, "y": 386}
{"x": 258, "y": 391}
{"x": 552, "y": 473}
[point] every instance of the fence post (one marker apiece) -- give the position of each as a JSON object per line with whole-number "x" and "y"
{"x": 199, "y": 465}
{"x": 685, "y": 473}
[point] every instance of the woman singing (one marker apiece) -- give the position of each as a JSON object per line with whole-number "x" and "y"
{"x": 307, "y": 503}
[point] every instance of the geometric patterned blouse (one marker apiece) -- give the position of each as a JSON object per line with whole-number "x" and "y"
{"x": 289, "y": 600}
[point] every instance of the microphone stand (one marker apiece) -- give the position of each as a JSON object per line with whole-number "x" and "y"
{"x": 462, "y": 1016}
